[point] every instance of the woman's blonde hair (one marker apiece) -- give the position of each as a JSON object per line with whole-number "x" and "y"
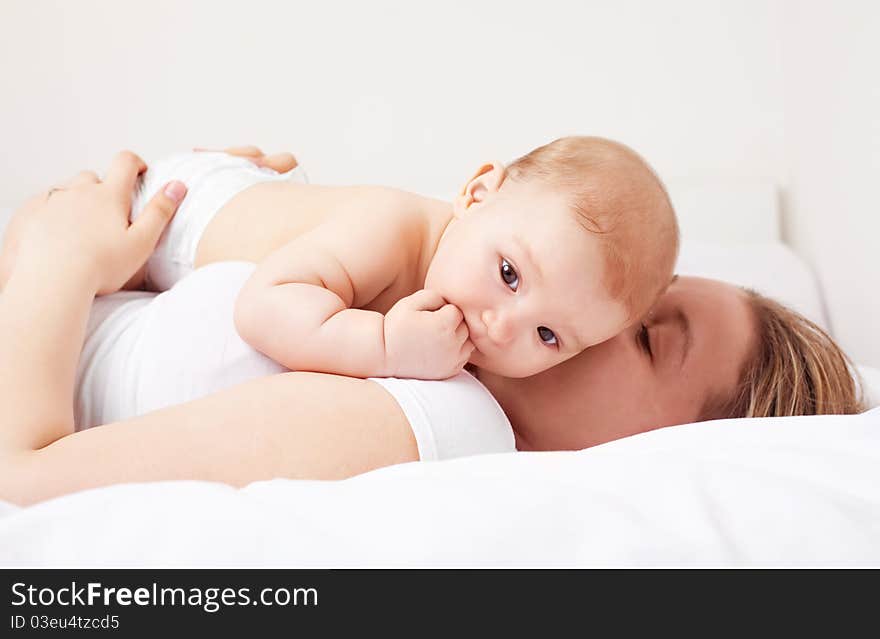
{"x": 795, "y": 368}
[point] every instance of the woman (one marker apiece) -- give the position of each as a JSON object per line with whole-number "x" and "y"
{"x": 707, "y": 350}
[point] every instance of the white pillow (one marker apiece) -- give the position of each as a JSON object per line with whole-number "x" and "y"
{"x": 870, "y": 385}
{"x": 771, "y": 268}
{"x": 726, "y": 210}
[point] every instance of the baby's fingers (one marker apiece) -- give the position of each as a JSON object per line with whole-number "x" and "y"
{"x": 425, "y": 300}
{"x": 461, "y": 332}
{"x": 451, "y": 316}
{"x": 464, "y": 355}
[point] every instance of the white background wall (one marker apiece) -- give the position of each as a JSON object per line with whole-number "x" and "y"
{"x": 415, "y": 95}
{"x": 831, "y": 64}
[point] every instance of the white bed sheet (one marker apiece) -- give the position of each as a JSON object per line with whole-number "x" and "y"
{"x": 750, "y": 492}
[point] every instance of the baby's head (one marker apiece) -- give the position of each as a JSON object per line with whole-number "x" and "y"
{"x": 560, "y": 250}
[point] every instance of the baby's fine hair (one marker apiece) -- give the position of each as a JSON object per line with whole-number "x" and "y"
{"x": 617, "y": 196}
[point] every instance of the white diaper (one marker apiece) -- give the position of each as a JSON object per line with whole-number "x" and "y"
{"x": 212, "y": 179}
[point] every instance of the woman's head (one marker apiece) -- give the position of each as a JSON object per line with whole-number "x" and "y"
{"x": 794, "y": 368}
{"x": 704, "y": 347}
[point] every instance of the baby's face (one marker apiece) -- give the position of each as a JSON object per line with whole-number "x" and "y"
{"x": 528, "y": 279}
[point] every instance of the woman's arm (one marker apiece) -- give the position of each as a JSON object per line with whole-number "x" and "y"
{"x": 295, "y": 425}
{"x": 76, "y": 241}
{"x": 42, "y": 323}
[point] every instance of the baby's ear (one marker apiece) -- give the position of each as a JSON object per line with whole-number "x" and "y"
{"x": 488, "y": 179}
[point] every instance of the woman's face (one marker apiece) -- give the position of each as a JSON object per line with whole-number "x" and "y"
{"x": 695, "y": 344}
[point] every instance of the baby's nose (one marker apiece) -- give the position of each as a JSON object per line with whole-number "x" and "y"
{"x": 499, "y": 327}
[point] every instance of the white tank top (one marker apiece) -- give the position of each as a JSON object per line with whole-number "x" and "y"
{"x": 145, "y": 351}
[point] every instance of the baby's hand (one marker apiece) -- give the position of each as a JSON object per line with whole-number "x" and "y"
{"x": 425, "y": 337}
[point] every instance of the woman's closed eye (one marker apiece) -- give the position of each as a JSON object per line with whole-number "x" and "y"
{"x": 508, "y": 275}
{"x": 644, "y": 340}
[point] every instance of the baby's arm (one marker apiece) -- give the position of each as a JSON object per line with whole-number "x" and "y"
{"x": 303, "y": 307}
{"x": 296, "y": 308}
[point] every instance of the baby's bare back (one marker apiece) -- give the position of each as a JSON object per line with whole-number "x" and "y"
{"x": 263, "y": 217}
{"x": 266, "y": 216}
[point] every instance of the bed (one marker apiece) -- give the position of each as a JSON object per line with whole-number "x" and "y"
{"x": 801, "y": 491}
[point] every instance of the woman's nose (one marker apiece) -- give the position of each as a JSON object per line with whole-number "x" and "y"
{"x": 499, "y": 327}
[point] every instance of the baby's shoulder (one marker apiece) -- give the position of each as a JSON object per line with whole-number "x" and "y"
{"x": 396, "y": 204}
{"x": 390, "y": 212}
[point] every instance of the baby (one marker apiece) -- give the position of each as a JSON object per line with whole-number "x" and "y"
{"x": 532, "y": 263}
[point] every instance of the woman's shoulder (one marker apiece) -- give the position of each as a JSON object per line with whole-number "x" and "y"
{"x": 455, "y": 417}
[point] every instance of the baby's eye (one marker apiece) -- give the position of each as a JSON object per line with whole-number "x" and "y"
{"x": 509, "y": 275}
{"x": 547, "y": 336}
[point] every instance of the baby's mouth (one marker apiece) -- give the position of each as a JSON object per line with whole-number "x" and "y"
{"x": 472, "y": 335}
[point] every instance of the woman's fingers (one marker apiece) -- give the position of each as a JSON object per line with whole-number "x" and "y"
{"x": 147, "y": 228}
{"x": 81, "y": 178}
{"x": 248, "y": 151}
{"x": 123, "y": 172}
{"x": 244, "y": 151}
{"x": 280, "y": 162}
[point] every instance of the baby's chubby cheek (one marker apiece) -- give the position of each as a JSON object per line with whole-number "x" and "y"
{"x": 609, "y": 320}
{"x": 507, "y": 364}
{"x": 454, "y": 281}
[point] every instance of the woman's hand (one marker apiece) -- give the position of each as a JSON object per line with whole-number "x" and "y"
{"x": 279, "y": 162}
{"x": 83, "y": 226}
{"x": 75, "y": 241}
